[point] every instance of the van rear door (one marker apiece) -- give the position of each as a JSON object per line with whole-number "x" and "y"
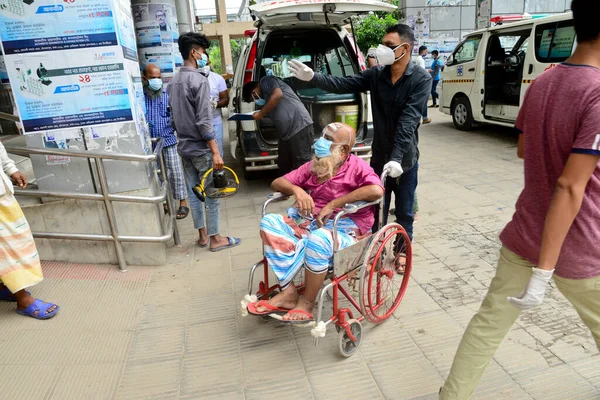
{"x": 314, "y": 12}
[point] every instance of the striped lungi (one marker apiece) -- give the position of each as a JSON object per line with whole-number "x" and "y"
{"x": 291, "y": 242}
{"x": 19, "y": 260}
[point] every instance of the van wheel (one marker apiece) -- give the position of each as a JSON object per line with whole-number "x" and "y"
{"x": 462, "y": 115}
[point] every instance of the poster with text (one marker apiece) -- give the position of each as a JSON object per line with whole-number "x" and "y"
{"x": 3, "y": 72}
{"x": 148, "y": 34}
{"x": 126, "y": 30}
{"x": 67, "y": 89}
{"x": 49, "y": 25}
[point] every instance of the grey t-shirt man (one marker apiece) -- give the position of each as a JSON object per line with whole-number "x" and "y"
{"x": 290, "y": 116}
{"x": 191, "y": 112}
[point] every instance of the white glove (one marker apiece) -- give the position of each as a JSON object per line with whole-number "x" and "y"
{"x": 393, "y": 168}
{"x": 300, "y": 71}
{"x": 533, "y": 295}
{"x": 214, "y": 104}
{"x": 372, "y": 52}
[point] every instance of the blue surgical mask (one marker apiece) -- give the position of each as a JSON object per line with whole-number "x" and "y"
{"x": 323, "y": 147}
{"x": 260, "y": 102}
{"x": 202, "y": 61}
{"x": 155, "y": 84}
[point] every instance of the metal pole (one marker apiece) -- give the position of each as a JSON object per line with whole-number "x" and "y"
{"x": 110, "y": 213}
{"x": 172, "y": 212}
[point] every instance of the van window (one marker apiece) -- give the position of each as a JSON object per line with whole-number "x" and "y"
{"x": 278, "y": 65}
{"x": 467, "y": 51}
{"x": 554, "y": 42}
{"x": 338, "y": 62}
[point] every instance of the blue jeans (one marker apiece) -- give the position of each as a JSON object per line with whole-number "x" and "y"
{"x": 194, "y": 169}
{"x": 404, "y": 189}
{"x": 434, "y": 94}
{"x": 218, "y": 129}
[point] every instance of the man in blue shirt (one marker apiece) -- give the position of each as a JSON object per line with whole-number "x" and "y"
{"x": 159, "y": 121}
{"x": 436, "y": 74}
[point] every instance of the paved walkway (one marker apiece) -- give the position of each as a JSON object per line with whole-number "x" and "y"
{"x": 175, "y": 332}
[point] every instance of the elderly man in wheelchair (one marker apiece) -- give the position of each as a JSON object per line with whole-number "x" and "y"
{"x": 304, "y": 237}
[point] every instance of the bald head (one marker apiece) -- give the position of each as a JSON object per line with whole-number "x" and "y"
{"x": 341, "y": 133}
{"x": 151, "y": 72}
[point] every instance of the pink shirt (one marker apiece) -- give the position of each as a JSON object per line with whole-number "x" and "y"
{"x": 560, "y": 115}
{"x": 353, "y": 174}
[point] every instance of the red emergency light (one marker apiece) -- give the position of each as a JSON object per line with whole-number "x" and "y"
{"x": 249, "y": 32}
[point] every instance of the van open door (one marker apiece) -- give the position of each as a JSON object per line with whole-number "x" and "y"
{"x": 310, "y": 12}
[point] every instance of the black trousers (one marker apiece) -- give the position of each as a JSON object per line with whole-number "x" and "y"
{"x": 296, "y": 151}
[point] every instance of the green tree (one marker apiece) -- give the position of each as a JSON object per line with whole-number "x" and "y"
{"x": 370, "y": 29}
{"x": 214, "y": 52}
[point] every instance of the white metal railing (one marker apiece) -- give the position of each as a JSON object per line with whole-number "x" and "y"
{"x": 169, "y": 228}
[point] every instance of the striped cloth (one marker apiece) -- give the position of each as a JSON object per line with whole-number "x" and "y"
{"x": 175, "y": 172}
{"x": 19, "y": 260}
{"x": 159, "y": 117}
{"x": 291, "y": 242}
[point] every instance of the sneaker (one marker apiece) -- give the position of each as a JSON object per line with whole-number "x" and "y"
{"x": 433, "y": 106}
{"x": 436, "y": 105}
{"x": 426, "y": 121}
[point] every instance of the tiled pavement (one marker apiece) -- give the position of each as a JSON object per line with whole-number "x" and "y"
{"x": 175, "y": 332}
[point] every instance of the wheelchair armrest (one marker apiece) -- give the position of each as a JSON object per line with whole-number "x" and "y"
{"x": 273, "y": 198}
{"x": 351, "y": 208}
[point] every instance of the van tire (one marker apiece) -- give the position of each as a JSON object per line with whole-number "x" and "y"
{"x": 462, "y": 114}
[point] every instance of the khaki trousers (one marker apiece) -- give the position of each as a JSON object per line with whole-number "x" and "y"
{"x": 496, "y": 316}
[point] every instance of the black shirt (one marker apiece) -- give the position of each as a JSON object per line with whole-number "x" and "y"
{"x": 397, "y": 109}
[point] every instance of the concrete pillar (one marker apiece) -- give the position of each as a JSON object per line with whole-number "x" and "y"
{"x": 226, "y": 59}
{"x": 185, "y": 15}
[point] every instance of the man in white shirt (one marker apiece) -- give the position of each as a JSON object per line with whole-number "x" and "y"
{"x": 219, "y": 98}
{"x": 420, "y": 62}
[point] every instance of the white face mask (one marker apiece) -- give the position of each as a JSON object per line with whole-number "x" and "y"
{"x": 386, "y": 56}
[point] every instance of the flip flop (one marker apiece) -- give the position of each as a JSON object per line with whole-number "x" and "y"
{"x": 233, "y": 242}
{"x": 299, "y": 321}
{"x": 41, "y": 307}
{"x": 183, "y": 211}
{"x": 6, "y": 295}
{"x": 271, "y": 309}
{"x": 399, "y": 267}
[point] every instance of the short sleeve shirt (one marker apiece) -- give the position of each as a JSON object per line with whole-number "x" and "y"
{"x": 352, "y": 175}
{"x": 438, "y": 76}
{"x": 217, "y": 85}
{"x": 290, "y": 116}
{"x": 560, "y": 116}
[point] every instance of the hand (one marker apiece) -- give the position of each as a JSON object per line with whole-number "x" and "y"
{"x": 304, "y": 203}
{"x": 324, "y": 215}
{"x": 214, "y": 104}
{"x": 217, "y": 162}
{"x": 301, "y": 71}
{"x": 393, "y": 168}
{"x": 535, "y": 292}
{"x": 19, "y": 179}
{"x": 257, "y": 116}
{"x": 372, "y": 52}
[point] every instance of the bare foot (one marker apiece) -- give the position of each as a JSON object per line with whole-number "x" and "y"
{"x": 203, "y": 237}
{"x": 302, "y": 305}
{"x": 286, "y": 299}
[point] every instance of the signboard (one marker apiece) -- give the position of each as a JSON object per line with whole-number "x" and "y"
{"x": 483, "y": 14}
{"x": 69, "y": 62}
{"x": 156, "y": 37}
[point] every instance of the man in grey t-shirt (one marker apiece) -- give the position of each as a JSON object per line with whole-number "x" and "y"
{"x": 191, "y": 113}
{"x": 290, "y": 117}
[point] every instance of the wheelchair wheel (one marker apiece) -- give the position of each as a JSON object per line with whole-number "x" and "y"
{"x": 381, "y": 287}
{"x": 345, "y": 344}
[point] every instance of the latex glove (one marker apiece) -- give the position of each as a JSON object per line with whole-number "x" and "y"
{"x": 393, "y": 168}
{"x": 533, "y": 295}
{"x": 300, "y": 70}
{"x": 214, "y": 104}
{"x": 372, "y": 52}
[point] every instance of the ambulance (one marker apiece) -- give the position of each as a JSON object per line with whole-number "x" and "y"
{"x": 487, "y": 75}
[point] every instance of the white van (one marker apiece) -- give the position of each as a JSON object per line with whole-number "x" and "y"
{"x": 486, "y": 77}
{"x": 313, "y": 32}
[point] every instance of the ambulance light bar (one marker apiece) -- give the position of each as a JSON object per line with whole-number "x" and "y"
{"x": 501, "y": 19}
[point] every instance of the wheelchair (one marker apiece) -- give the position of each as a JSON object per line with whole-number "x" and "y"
{"x": 372, "y": 261}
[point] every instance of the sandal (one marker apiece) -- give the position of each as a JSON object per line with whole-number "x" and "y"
{"x": 400, "y": 266}
{"x": 182, "y": 212}
{"x": 233, "y": 242}
{"x": 41, "y": 308}
{"x": 271, "y": 309}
